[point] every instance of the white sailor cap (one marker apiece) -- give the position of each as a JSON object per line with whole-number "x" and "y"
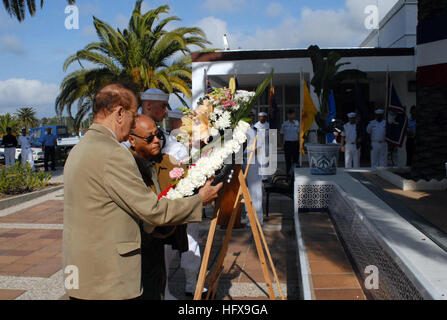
{"x": 262, "y": 114}
{"x": 379, "y": 111}
{"x": 154, "y": 94}
{"x": 175, "y": 114}
{"x": 352, "y": 115}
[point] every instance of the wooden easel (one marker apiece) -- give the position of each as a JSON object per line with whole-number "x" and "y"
{"x": 243, "y": 196}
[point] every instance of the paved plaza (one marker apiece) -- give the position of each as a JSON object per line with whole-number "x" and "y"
{"x": 31, "y": 252}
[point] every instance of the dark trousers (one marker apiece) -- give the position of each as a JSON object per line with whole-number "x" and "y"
{"x": 50, "y": 155}
{"x": 153, "y": 268}
{"x": 291, "y": 153}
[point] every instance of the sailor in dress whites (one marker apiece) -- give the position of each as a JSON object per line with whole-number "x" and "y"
{"x": 254, "y": 179}
{"x": 377, "y": 130}
{"x": 349, "y": 140}
{"x": 26, "y": 153}
{"x": 262, "y": 128}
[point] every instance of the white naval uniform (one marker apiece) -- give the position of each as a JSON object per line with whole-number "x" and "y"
{"x": 263, "y": 137}
{"x": 190, "y": 260}
{"x": 379, "y": 151}
{"x": 254, "y": 179}
{"x": 352, "y": 154}
{"x": 27, "y": 152}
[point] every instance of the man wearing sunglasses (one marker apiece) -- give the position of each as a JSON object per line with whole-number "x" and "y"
{"x": 146, "y": 143}
{"x": 105, "y": 200}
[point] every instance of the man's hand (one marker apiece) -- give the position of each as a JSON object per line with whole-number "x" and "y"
{"x": 208, "y": 192}
{"x": 342, "y": 148}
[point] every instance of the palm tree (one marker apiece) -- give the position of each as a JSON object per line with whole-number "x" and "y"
{"x": 27, "y": 117}
{"x": 8, "y": 120}
{"x": 430, "y": 152}
{"x": 144, "y": 53}
{"x": 17, "y": 8}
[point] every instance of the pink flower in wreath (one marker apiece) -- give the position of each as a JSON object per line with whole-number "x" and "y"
{"x": 176, "y": 173}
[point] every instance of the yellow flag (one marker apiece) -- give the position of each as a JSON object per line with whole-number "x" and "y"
{"x": 307, "y": 116}
{"x": 232, "y": 85}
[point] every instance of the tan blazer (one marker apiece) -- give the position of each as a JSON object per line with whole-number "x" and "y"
{"x": 105, "y": 200}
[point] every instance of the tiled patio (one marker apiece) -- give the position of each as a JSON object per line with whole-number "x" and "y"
{"x": 31, "y": 252}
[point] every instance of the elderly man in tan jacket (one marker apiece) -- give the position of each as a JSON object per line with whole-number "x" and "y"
{"x": 106, "y": 200}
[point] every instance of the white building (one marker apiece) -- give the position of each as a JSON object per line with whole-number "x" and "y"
{"x": 391, "y": 49}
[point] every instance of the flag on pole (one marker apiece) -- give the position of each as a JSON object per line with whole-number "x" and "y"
{"x": 396, "y": 117}
{"x": 307, "y": 115}
{"x": 273, "y": 109}
{"x": 332, "y": 114}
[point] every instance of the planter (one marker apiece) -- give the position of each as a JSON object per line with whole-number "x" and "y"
{"x": 323, "y": 158}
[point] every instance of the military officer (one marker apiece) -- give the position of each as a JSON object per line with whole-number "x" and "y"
{"x": 26, "y": 151}
{"x": 350, "y": 141}
{"x": 290, "y": 131}
{"x": 262, "y": 128}
{"x": 377, "y": 130}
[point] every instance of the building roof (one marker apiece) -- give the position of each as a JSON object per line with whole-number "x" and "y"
{"x": 232, "y": 55}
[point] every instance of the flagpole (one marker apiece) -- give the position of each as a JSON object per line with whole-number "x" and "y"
{"x": 301, "y": 112}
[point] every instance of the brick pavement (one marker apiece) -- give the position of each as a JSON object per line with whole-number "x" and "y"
{"x": 31, "y": 254}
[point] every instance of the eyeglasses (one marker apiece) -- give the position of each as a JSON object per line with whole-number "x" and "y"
{"x": 149, "y": 139}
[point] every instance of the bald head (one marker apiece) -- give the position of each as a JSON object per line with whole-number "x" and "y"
{"x": 143, "y": 125}
{"x": 144, "y": 128}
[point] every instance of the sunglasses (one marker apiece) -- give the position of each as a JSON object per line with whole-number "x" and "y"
{"x": 149, "y": 139}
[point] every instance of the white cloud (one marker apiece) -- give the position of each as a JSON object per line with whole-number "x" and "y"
{"x": 12, "y": 44}
{"x": 17, "y": 93}
{"x": 275, "y": 9}
{"x": 224, "y": 5}
{"x": 326, "y": 28}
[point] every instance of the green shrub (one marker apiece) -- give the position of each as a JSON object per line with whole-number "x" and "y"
{"x": 21, "y": 179}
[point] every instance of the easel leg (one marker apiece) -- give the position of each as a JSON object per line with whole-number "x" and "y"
{"x": 214, "y": 278}
{"x": 254, "y": 228}
{"x": 206, "y": 257}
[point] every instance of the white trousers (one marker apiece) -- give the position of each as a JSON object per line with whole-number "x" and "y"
{"x": 191, "y": 260}
{"x": 10, "y": 157}
{"x": 254, "y": 184}
{"x": 352, "y": 155}
{"x": 27, "y": 157}
{"x": 378, "y": 154}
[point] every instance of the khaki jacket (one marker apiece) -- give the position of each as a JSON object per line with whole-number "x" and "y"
{"x": 105, "y": 200}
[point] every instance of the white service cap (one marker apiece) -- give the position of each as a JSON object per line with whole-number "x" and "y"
{"x": 262, "y": 114}
{"x": 379, "y": 111}
{"x": 352, "y": 115}
{"x": 175, "y": 114}
{"x": 154, "y": 94}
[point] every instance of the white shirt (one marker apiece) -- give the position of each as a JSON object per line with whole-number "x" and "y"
{"x": 290, "y": 130}
{"x": 174, "y": 148}
{"x": 25, "y": 142}
{"x": 377, "y": 130}
{"x": 350, "y": 133}
{"x": 261, "y": 126}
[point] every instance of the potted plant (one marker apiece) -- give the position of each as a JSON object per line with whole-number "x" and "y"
{"x": 323, "y": 157}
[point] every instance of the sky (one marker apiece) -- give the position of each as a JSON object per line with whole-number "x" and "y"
{"x": 32, "y": 53}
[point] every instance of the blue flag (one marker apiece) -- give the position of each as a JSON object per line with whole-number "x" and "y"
{"x": 332, "y": 114}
